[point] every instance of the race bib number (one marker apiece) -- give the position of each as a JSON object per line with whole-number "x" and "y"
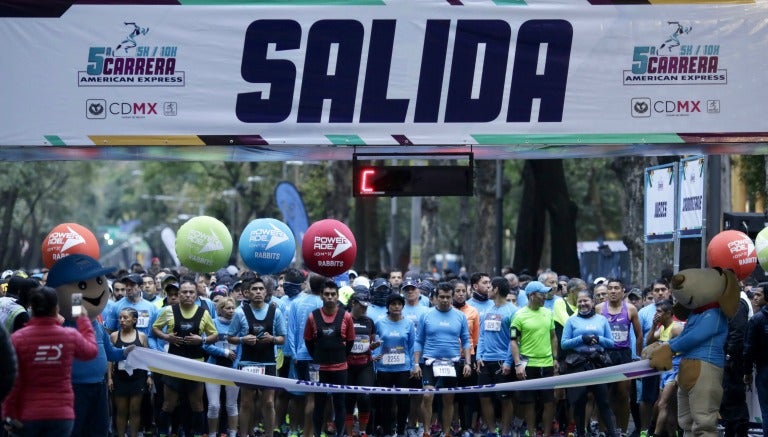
{"x": 393, "y": 356}
{"x": 619, "y": 333}
{"x": 492, "y": 323}
{"x": 143, "y": 320}
{"x": 314, "y": 373}
{"x": 361, "y": 345}
{"x": 255, "y": 370}
{"x": 444, "y": 368}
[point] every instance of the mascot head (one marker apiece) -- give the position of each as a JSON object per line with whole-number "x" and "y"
{"x": 697, "y": 288}
{"x": 78, "y": 273}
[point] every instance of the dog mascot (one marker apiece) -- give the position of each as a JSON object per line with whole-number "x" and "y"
{"x": 707, "y": 298}
{"x": 82, "y": 274}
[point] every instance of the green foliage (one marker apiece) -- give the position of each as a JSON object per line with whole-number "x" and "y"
{"x": 752, "y": 175}
{"x": 598, "y": 195}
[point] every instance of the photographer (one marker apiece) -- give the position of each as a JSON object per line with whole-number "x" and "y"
{"x": 42, "y": 400}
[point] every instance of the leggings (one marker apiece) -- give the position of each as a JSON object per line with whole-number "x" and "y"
{"x": 364, "y": 376}
{"x": 338, "y": 377}
{"x": 214, "y": 403}
{"x": 578, "y": 398}
{"x": 395, "y": 379}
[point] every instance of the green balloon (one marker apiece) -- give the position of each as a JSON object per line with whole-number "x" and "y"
{"x": 203, "y": 244}
{"x": 761, "y": 247}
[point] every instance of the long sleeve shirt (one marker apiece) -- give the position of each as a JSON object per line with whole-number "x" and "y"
{"x": 438, "y": 333}
{"x": 493, "y": 344}
{"x": 575, "y": 327}
{"x": 703, "y": 337}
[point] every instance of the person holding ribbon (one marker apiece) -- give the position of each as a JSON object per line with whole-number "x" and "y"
{"x": 258, "y": 327}
{"x": 442, "y": 340}
{"x": 586, "y": 336}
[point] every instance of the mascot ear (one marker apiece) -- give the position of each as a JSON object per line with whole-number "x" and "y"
{"x": 729, "y": 301}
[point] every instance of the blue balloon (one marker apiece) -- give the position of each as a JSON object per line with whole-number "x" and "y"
{"x": 267, "y": 246}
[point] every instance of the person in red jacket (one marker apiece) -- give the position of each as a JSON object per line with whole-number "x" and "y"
{"x": 42, "y": 399}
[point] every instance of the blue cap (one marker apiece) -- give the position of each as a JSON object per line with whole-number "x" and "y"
{"x": 134, "y": 278}
{"x": 536, "y": 287}
{"x": 409, "y": 282}
{"x": 75, "y": 268}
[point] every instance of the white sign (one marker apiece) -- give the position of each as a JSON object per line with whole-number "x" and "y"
{"x": 691, "y": 205}
{"x": 660, "y": 194}
{"x": 387, "y": 72}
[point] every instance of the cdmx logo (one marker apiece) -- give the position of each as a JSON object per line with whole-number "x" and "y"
{"x": 643, "y": 107}
{"x": 99, "y": 108}
{"x": 96, "y": 108}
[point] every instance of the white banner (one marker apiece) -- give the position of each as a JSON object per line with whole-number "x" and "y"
{"x": 691, "y": 203}
{"x": 382, "y": 72}
{"x": 161, "y": 362}
{"x": 660, "y": 195}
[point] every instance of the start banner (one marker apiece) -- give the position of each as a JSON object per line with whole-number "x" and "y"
{"x": 186, "y": 368}
{"x": 382, "y": 72}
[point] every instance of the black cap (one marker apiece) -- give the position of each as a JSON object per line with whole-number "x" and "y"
{"x": 133, "y": 277}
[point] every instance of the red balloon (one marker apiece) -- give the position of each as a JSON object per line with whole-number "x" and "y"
{"x": 66, "y": 239}
{"x": 329, "y": 247}
{"x": 733, "y": 250}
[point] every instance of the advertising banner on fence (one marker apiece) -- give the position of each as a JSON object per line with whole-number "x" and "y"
{"x": 382, "y": 72}
{"x": 691, "y": 203}
{"x": 660, "y": 201}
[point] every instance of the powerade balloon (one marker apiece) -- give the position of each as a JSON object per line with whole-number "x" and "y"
{"x": 66, "y": 239}
{"x": 203, "y": 244}
{"x": 267, "y": 246}
{"x": 761, "y": 247}
{"x": 732, "y": 250}
{"x": 329, "y": 248}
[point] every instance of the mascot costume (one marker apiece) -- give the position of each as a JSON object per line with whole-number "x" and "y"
{"x": 78, "y": 273}
{"x": 707, "y": 298}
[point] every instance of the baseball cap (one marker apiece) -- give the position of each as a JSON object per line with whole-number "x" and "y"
{"x": 74, "y": 268}
{"x": 362, "y": 297}
{"x": 133, "y": 277}
{"x": 221, "y": 288}
{"x": 169, "y": 278}
{"x": 599, "y": 280}
{"x": 409, "y": 282}
{"x": 171, "y": 285}
{"x": 536, "y": 287}
{"x": 380, "y": 284}
{"x": 17, "y": 286}
{"x": 427, "y": 286}
{"x": 635, "y": 292}
{"x": 362, "y": 280}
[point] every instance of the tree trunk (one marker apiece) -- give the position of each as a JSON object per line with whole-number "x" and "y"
{"x": 484, "y": 241}
{"x": 429, "y": 231}
{"x": 545, "y": 190}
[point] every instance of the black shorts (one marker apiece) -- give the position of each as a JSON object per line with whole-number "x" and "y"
{"x": 180, "y": 385}
{"x": 491, "y": 373}
{"x": 285, "y": 368}
{"x": 428, "y": 378}
{"x": 649, "y": 392}
{"x": 620, "y": 356}
{"x": 530, "y": 396}
{"x": 133, "y": 385}
{"x": 302, "y": 369}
